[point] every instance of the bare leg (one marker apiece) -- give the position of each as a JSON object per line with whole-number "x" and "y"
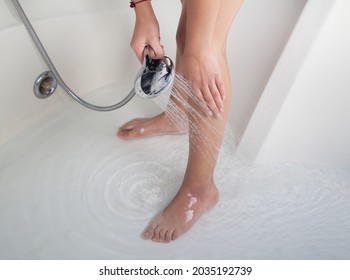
{"x": 198, "y": 191}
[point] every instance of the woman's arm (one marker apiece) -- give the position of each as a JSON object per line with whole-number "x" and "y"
{"x": 146, "y": 36}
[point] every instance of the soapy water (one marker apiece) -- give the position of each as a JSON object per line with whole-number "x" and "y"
{"x": 189, "y": 211}
{"x": 84, "y": 194}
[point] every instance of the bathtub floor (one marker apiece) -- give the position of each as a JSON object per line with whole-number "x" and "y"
{"x": 69, "y": 189}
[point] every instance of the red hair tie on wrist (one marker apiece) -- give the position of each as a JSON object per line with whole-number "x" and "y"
{"x": 133, "y": 4}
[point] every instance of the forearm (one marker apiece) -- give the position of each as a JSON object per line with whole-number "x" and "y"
{"x": 143, "y": 11}
{"x": 201, "y": 24}
{"x": 146, "y": 36}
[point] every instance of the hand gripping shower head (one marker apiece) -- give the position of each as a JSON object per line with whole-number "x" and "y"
{"x": 155, "y": 77}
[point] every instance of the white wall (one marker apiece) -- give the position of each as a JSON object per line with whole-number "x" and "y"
{"x": 43, "y": 9}
{"x": 257, "y": 39}
{"x": 304, "y": 113}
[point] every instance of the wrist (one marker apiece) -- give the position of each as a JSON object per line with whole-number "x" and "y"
{"x": 138, "y": 4}
{"x": 143, "y": 10}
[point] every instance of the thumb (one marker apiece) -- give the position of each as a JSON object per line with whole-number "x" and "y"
{"x": 154, "y": 51}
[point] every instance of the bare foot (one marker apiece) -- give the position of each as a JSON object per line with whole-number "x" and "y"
{"x": 182, "y": 212}
{"x": 146, "y": 127}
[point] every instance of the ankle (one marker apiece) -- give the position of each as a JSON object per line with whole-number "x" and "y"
{"x": 200, "y": 189}
{"x": 198, "y": 180}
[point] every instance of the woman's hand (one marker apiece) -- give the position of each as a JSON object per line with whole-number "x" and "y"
{"x": 203, "y": 72}
{"x": 146, "y": 36}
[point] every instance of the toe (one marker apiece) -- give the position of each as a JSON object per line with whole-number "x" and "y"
{"x": 156, "y": 236}
{"x": 130, "y": 125}
{"x": 131, "y": 129}
{"x": 149, "y": 233}
{"x": 123, "y": 133}
{"x": 168, "y": 236}
{"x": 131, "y": 133}
{"x": 162, "y": 234}
{"x": 175, "y": 235}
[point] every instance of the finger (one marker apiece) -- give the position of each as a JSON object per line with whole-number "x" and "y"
{"x": 140, "y": 55}
{"x": 220, "y": 86}
{"x": 211, "y": 102}
{"x": 198, "y": 98}
{"x": 138, "y": 50}
{"x": 157, "y": 50}
{"x": 140, "y": 58}
{"x": 216, "y": 95}
{"x": 148, "y": 51}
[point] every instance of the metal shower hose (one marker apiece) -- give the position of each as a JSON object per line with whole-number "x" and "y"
{"x": 54, "y": 71}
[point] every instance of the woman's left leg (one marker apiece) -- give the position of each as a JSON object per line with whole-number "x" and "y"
{"x": 198, "y": 191}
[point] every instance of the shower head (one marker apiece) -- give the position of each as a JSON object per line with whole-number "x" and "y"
{"x": 154, "y": 77}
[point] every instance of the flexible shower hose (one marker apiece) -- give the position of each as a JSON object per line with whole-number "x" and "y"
{"x": 54, "y": 71}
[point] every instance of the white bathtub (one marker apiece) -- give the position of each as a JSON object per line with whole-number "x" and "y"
{"x": 69, "y": 189}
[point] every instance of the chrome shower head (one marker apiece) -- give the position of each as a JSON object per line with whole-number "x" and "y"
{"x": 155, "y": 77}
